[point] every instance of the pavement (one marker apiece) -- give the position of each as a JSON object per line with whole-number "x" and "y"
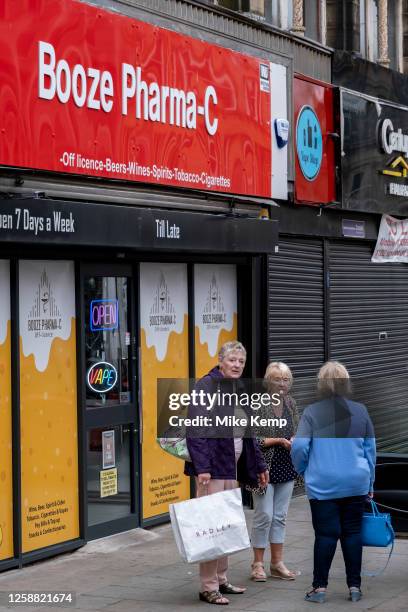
{"x": 141, "y": 571}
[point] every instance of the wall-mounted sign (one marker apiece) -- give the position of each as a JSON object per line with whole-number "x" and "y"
{"x": 108, "y": 449}
{"x": 134, "y": 227}
{"x": 109, "y": 482}
{"x": 104, "y": 315}
{"x": 353, "y": 229}
{"x": 309, "y": 143}
{"x": 153, "y": 105}
{"x": 314, "y": 149}
{"x": 102, "y": 377}
{"x": 374, "y": 155}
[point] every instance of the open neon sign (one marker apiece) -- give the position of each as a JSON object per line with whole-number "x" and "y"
{"x": 104, "y": 315}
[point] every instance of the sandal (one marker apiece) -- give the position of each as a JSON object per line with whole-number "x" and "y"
{"x": 279, "y": 570}
{"x": 228, "y": 589}
{"x": 316, "y": 596}
{"x": 213, "y": 597}
{"x": 258, "y": 572}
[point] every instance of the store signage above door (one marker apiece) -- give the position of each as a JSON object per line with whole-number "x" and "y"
{"x": 87, "y": 91}
{"x": 375, "y": 155}
{"x": 315, "y": 155}
{"x": 131, "y": 227}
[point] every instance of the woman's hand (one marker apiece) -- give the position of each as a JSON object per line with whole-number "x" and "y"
{"x": 285, "y": 443}
{"x": 204, "y": 479}
{"x": 263, "y": 478}
{"x": 271, "y": 441}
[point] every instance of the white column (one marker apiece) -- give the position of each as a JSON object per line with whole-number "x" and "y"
{"x": 323, "y": 21}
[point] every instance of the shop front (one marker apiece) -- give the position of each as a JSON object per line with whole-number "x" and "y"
{"x": 103, "y": 293}
{"x": 94, "y": 317}
{"x": 328, "y": 297}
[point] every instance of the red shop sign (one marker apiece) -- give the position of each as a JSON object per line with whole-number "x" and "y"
{"x": 87, "y": 91}
{"x": 313, "y": 146}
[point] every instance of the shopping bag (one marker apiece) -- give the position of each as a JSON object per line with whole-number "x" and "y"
{"x": 176, "y": 447}
{"x": 210, "y": 527}
{"x": 376, "y": 530}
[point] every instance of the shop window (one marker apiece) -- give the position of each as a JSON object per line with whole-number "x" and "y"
{"x": 369, "y": 29}
{"x": 312, "y": 19}
{"x": 405, "y": 35}
{"x": 276, "y": 12}
{"x": 393, "y": 46}
{"x": 343, "y": 24}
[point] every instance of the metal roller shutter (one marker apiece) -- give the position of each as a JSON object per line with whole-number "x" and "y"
{"x": 296, "y": 306}
{"x": 369, "y": 334}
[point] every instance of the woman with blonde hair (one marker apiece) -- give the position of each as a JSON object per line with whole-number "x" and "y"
{"x": 334, "y": 448}
{"x": 271, "y": 503}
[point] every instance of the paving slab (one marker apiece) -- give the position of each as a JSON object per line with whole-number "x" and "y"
{"x": 141, "y": 571}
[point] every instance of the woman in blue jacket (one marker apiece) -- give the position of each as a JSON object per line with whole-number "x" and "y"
{"x": 218, "y": 463}
{"x": 334, "y": 449}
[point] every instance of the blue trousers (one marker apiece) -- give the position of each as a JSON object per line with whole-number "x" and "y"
{"x": 333, "y": 520}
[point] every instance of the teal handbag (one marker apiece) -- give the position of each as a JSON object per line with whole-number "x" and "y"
{"x": 377, "y": 530}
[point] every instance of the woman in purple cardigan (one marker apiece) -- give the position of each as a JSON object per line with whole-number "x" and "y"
{"x": 218, "y": 463}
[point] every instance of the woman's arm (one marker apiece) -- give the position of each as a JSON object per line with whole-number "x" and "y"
{"x": 267, "y": 442}
{"x": 369, "y": 448}
{"x": 301, "y": 444}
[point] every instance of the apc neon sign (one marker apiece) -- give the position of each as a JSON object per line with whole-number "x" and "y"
{"x": 102, "y": 377}
{"x": 104, "y": 315}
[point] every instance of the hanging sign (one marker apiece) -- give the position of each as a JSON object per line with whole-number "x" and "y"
{"x": 392, "y": 241}
{"x": 315, "y": 168}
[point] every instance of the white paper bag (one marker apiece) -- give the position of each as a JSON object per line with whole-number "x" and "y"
{"x": 210, "y": 527}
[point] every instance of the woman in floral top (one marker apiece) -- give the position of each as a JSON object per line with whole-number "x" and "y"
{"x": 271, "y": 503}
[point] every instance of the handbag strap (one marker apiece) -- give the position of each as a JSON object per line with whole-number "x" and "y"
{"x": 374, "y": 574}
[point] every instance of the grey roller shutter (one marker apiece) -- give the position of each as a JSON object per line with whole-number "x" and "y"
{"x": 296, "y": 306}
{"x": 369, "y": 334}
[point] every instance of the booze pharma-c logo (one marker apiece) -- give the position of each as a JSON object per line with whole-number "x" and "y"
{"x": 162, "y": 313}
{"x": 213, "y": 312}
{"x": 44, "y": 317}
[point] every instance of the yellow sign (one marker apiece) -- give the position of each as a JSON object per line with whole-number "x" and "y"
{"x": 6, "y": 471}
{"x": 164, "y": 354}
{"x": 109, "y": 482}
{"x": 215, "y": 296}
{"x": 48, "y": 404}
